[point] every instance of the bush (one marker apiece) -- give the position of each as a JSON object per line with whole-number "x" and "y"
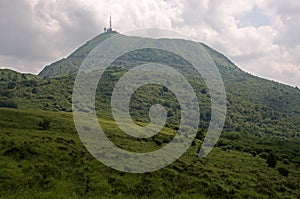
{"x": 45, "y": 124}
{"x": 204, "y": 91}
{"x": 34, "y": 90}
{"x": 158, "y": 142}
{"x": 271, "y": 160}
{"x": 8, "y": 104}
{"x": 263, "y": 155}
{"x": 11, "y": 85}
{"x": 253, "y": 153}
{"x": 285, "y": 161}
{"x": 283, "y": 171}
{"x": 199, "y": 134}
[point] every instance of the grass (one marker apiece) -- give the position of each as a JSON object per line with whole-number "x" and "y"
{"x": 53, "y": 163}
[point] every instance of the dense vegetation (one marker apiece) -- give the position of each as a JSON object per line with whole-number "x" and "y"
{"x": 258, "y": 155}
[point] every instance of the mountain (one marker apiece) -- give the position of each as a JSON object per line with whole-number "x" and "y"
{"x": 71, "y": 64}
{"x": 255, "y": 105}
{"x": 263, "y": 119}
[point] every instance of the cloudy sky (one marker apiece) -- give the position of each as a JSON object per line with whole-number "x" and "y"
{"x": 261, "y": 36}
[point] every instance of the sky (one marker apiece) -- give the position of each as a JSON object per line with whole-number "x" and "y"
{"x": 260, "y": 36}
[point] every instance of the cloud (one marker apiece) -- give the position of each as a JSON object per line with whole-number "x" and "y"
{"x": 261, "y": 36}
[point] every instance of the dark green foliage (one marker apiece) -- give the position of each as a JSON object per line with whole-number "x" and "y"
{"x": 203, "y": 91}
{"x": 285, "y": 161}
{"x": 34, "y": 90}
{"x": 11, "y": 85}
{"x": 30, "y": 91}
{"x": 271, "y": 160}
{"x": 44, "y": 124}
{"x": 264, "y": 155}
{"x": 200, "y": 134}
{"x": 283, "y": 171}
{"x": 8, "y": 104}
{"x": 25, "y": 151}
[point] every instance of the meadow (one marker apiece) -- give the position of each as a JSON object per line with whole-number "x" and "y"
{"x": 51, "y": 162}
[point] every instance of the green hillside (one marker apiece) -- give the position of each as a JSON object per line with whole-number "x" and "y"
{"x": 42, "y": 155}
{"x": 29, "y": 91}
{"x": 255, "y": 105}
{"x": 53, "y": 163}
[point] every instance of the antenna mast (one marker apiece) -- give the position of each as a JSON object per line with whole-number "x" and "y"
{"x": 110, "y": 27}
{"x": 109, "y": 30}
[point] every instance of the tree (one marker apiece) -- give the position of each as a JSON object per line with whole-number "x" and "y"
{"x": 271, "y": 160}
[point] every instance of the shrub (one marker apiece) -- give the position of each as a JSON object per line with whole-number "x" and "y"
{"x": 34, "y": 90}
{"x": 285, "y": 161}
{"x": 204, "y": 91}
{"x": 283, "y": 171}
{"x": 284, "y": 156}
{"x": 8, "y": 104}
{"x": 158, "y": 142}
{"x": 199, "y": 134}
{"x": 271, "y": 160}
{"x": 45, "y": 124}
{"x": 253, "y": 153}
{"x": 263, "y": 155}
{"x": 11, "y": 85}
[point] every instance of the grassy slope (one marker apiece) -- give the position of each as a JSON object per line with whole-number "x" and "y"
{"x": 37, "y": 163}
{"x": 258, "y": 106}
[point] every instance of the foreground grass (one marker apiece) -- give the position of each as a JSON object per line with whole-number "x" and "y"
{"x": 53, "y": 163}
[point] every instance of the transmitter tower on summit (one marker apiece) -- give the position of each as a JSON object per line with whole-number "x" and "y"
{"x": 109, "y": 30}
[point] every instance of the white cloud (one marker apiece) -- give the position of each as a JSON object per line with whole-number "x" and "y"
{"x": 37, "y": 32}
